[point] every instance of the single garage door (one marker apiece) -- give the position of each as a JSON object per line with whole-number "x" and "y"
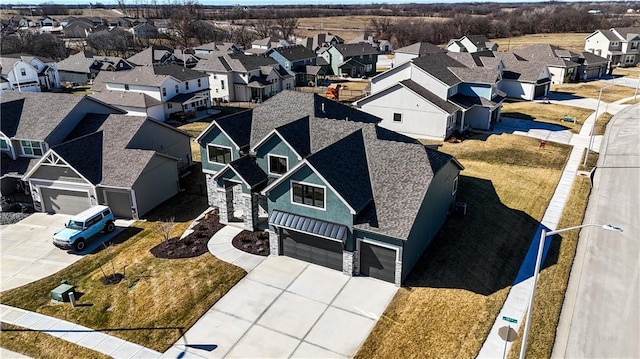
{"x": 592, "y": 72}
{"x": 120, "y": 203}
{"x": 312, "y": 249}
{"x": 539, "y": 91}
{"x": 64, "y": 201}
{"x": 378, "y": 262}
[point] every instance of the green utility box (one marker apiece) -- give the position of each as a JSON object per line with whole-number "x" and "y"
{"x": 61, "y": 292}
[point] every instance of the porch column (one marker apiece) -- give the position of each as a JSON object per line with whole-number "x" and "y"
{"x": 249, "y": 211}
{"x": 350, "y": 263}
{"x": 225, "y": 203}
{"x": 274, "y": 243}
{"x": 398, "y": 277}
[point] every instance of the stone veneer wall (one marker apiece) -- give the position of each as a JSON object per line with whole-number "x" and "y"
{"x": 274, "y": 243}
{"x": 350, "y": 263}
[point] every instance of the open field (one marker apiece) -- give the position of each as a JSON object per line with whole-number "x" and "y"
{"x": 568, "y": 41}
{"x": 42, "y": 345}
{"x": 158, "y": 299}
{"x": 549, "y": 113}
{"x": 449, "y": 301}
{"x": 592, "y": 90}
{"x": 554, "y": 276}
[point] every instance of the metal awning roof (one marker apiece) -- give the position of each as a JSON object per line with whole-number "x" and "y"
{"x": 309, "y": 225}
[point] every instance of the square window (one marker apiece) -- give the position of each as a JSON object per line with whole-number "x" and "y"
{"x": 308, "y": 195}
{"x": 278, "y": 165}
{"x": 31, "y": 148}
{"x": 4, "y": 145}
{"x": 219, "y": 154}
{"x": 23, "y": 72}
{"x": 397, "y": 117}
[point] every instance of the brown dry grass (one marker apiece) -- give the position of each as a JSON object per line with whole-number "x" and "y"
{"x": 450, "y": 300}
{"x": 549, "y": 113}
{"x": 592, "y": 90}
{"x": 601, "y": 123}
{"x": 158, "y": 300}
{"x": 552, "y": 283}
{"x": 627, "y": 71}
{"x": 41, "y": 345}
{"x": 568, "y": 41}
{"x": 592, "y": 161}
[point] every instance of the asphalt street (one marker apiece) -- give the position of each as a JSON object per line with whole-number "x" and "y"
{"x": 601, "y": 314}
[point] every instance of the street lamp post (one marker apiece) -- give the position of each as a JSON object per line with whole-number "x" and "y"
{"x": 595, "y": 120}
{"x": 543, "y": 235}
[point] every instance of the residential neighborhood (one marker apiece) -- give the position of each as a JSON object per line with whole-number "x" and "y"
{"x": 375, "y": 180}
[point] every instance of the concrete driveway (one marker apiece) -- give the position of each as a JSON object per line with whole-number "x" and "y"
{"x": 288, "y": 308}
{"x": 26, "y": 251}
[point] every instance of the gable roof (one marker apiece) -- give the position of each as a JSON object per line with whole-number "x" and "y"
{"x": 34, "y": 115}
{"x": 550, "y": 54}
{"x": 438, "y": 65}
{"x": 429, "y": 96}
{"x": 627, "y": 33}
{"x": 152, "y": 75}
{"x": 248, "y": 170}
{"x": 98, "y": 148}
{"x": 128, "y": 99}
{"x": 358, "y": 49}
{"x": 236, "y": 126}
{"x": 294, "y": 53}
{"x": 420, "y": 48}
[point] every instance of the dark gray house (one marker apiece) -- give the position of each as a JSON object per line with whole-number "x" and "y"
{"x": 298, "y": 61}
{"x": 331, "y": 186}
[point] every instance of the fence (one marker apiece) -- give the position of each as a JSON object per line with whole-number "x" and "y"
{"x": 346, "y": 95}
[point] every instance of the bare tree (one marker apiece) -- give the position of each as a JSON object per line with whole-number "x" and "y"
{"x": 382, "y": 26}
{"x": 164, "y": 228}
{"x": 264, "y": 28}
{"x": 286, "y": 25}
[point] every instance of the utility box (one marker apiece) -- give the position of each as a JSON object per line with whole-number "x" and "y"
{"x": 61, "y": 292}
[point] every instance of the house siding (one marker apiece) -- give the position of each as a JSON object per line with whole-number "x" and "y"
{"x": 420, "y": 118}
{"x": 217, "y": 138}
{"x": 390, "y": 78}
{"x": 275, "y": 146}
{"x": 335, "y": 210}
{"x": 478, "y": 117}
{"x": 433, "y": 213}
{"x": 57, "y": 173}
{"x": 149, "y": 192}
{"x": 429, "y": 82}
{"x": 518, "y": 90}
{"x": 153, "y": 136}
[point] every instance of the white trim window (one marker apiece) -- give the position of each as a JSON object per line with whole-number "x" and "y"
{"x": 31, "y": 148}
{"x": 219, "y": 154}
{"x": 629, "y": 59}
{"x": 4, "y": 144}
{"x": 455, "y": 186}
{"x": 308, "y": 195}
{"x": 278, "y": 165}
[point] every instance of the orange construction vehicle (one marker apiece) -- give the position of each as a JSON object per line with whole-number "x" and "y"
{"x": 333, "y": 91}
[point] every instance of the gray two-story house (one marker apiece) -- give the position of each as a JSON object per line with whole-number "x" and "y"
{"x": 298, "y": 61}
{"x": 351, "y": 60}
{"x": 331, "y": 186}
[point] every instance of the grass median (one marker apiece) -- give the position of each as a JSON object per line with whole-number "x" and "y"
{"x": 41, "y": 345}
{"x": 451, "y": 298}
{"x": 158, "y": 299}
{"x": 554, "y": 277}
{"x": 548, "y": 113}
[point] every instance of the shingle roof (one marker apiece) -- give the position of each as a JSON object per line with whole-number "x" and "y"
{"x": 237, "y": 126}
{"x": 129, "y": 99}
{"x": 591, "y": 59}
{"x": 344, "y": 165}
{"x": 249, "y": 170}
{"x": 547, "y": 53}
{"x": 523, "y": 71}
{"x": 151, "y": 55}
{"x": 628, "y": 33}
{"x": 294, "y": 52}
{"x": 430, "y": 96}
{"x": 34, "y": 115}
{"x": 476, "y": 74}
{"x": 610, "y": 35}
{"x": 152, "y": 75}
{"x": 420, "y": 48}
{"x": 296, "y": 134}
{"x": 359, "y": 49}
{"x": 99, "y": 149}
{"x": 467, "y": 102}
{"x": 438, "y": 65}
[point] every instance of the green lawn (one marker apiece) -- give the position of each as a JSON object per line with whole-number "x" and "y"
{"x": 158, "y": 300}
{"x": 451, "y": 298}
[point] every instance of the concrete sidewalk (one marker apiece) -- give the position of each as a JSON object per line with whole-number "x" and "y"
{"x": 220, "y": 246}
{"x": 83, "y": 336}
{"x": 515, "y": 306}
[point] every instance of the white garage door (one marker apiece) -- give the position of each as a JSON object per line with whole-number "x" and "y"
{"x": 120, "y": 203}
{"x": 64, "y": 201}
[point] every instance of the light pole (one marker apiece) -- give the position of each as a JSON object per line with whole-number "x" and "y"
{"x": 586, "y": 156}
{"x": 543, "y": 235}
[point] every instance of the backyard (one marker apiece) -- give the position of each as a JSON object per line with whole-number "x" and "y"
{"x": 549, "y": 113}
{"x": 568, "y": 41}
{"x": 156, "y": 301}
{"x": 592, "y": 90}
{"x": 450, "y": 300}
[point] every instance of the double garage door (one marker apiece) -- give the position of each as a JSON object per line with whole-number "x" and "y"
{"x": 312, "y": 249}
{"x": 64, "y": 201}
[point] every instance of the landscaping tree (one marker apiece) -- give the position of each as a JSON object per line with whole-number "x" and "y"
{"x": 286, "y": 25}
{"x": 164, "y": 228}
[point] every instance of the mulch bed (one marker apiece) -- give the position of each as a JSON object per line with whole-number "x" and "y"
{"x": 252, "y": 242}
{"x": 111, "y": 279}
{"x": 194, "y": 244}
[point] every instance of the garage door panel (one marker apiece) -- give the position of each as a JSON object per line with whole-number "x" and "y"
{"x": 64, "y": 201}
{"x": 378, "y": 262}
{"x": 120, "y": 203}
{"x": 312, "y": 249}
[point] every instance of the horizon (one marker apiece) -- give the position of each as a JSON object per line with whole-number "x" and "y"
{"x": 305, "y": 2}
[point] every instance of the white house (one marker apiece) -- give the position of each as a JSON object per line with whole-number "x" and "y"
{"x": 471, "y": 44}
{"x": 621, "y": 46}
{"x": 237, "y": 77}
{"x": 156, "y": 91}
{"x": 412, "y": 51}
{"x": 26, "y": 73}
{"x": 434, "y": 95}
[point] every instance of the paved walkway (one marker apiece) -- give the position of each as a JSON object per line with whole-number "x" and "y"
{"x": 83, "y": 336}
{"x": 220, "y": 246}
{"x": 515, "y": 306}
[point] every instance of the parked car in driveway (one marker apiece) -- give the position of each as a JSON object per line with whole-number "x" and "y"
{"x": 84, "y": 226}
